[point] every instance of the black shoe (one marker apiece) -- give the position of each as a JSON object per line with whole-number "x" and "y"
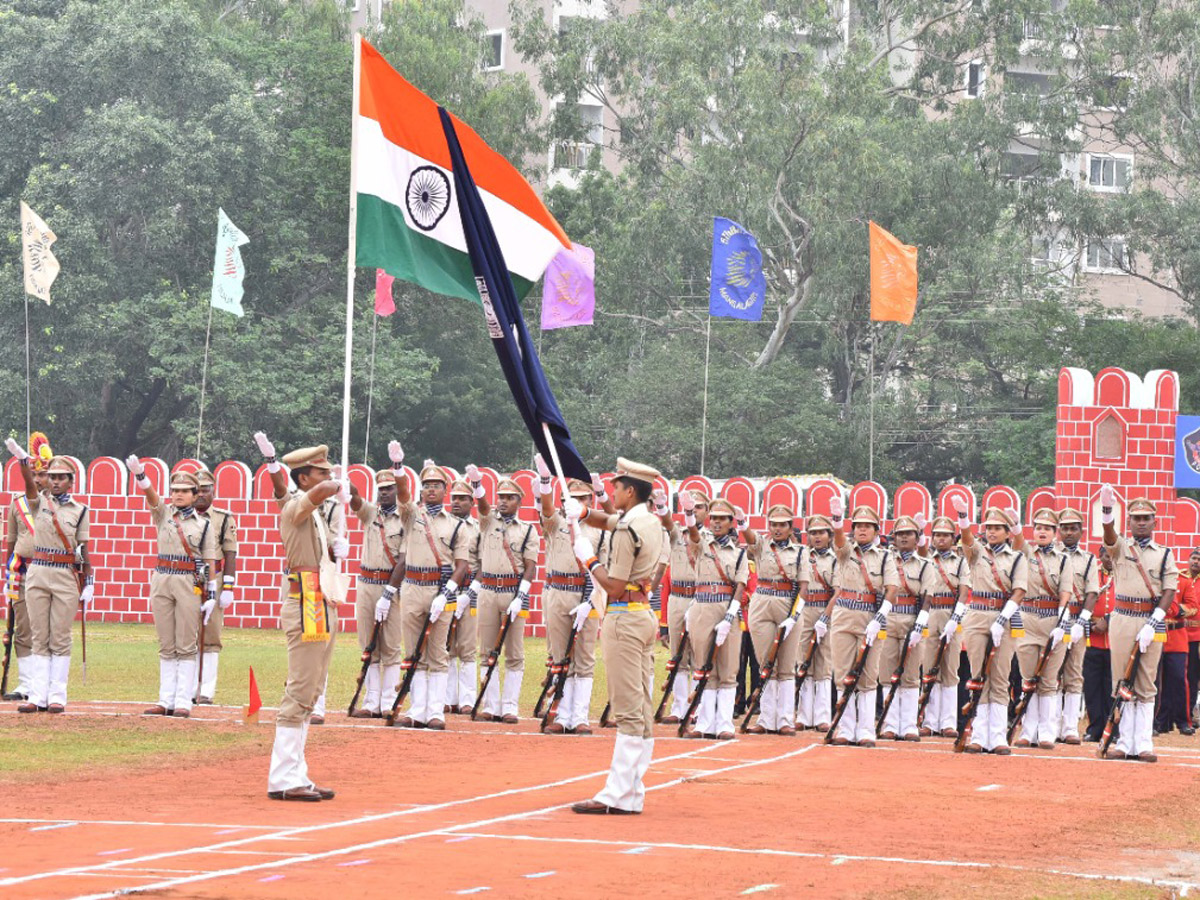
{"x": 15, "y": 695}
{"x": 1090, "y": 738}
{"x": 1187, "y": 730}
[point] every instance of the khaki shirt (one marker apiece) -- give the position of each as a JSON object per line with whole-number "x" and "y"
{"x": 719, "y": 565}
{"x": 1048, "y": 565}
{"x": 380, "y": 530}
{"x": 880, "y": 563}
{"x": 635, "y": 545}
{"x": 819, "y": 569}
{"x": 560, "y": 547}
{"x": 72, "y": 518}
{"x": 224, "y": 529}
{"x": 303, "y": 547}
{"x": 1012, "y": 566}
{"x": 683, "y": 554}
{"x": 521, "y": 539}
{"x": 920, "y": 575}
{"x": 1086, "y": 570}
{"x": 469, "y": 534}
{"x": 767, "y": 558}
{"x": 19, "y": 535}
{"x": 949, "y": 570}
{"x": 197, "y": 529}
{"x": 419, "y": 527}
{"x": 1157, "y": 560}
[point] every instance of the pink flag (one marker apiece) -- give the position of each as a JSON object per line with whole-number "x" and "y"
{"x": 569, "y": 292}
{"x": 384, "y": 304}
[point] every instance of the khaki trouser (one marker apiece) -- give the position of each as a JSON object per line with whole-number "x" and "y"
{"x": 948, "y": 673}
{"x": 1029, "y": 648}
{"x": 388, "y": 649}
{"x": 821, "y": 668}
{"x": 493, "y": 610}
{"x": 465, "y": 646}
{"x": 846, "y": 632}
{"x": 308, "y": 663}
{"x": 892, "y": 649}
{"x": 765, "y": 615}
{"x": 556, "y": 612}
{"x": 704, "y": 618}
{"x": 677, "y": 607}
{"x": 628, "y": 641}
{"x": 976, "y": 626}
{"x": 1122, "y": 635}
{"x": 415, "y": 601}
{"x": 1072, "y": 670}
{"x": 51, "y": 599}
{"x": 22, "y": 632}
{"x": 212, "y": 631}
{"x": 176, "y": 608}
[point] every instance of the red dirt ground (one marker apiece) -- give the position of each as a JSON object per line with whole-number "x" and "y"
{"x": 480, "y": 810}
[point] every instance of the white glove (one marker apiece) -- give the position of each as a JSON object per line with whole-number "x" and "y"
{"x": 573, "y": 509}
{"x": 922, "y": 537}
{"x": 226, "y": 599}
{"x": 16, "y": 449}
{"x": 395, "y": 454}
{"x": 1107, "y": 500}
{"x": 878, "y": 621}
{"x": 740, "y": 519}
{"x": 659, "y": 496}
{"x": 598, "y": 487}
{"x": 86, "y": 595}
{"x": 914, "y": 638}
{"x": 1009, "y": 609}
{"x": 1056, "y": 636}
{"x": 136, "y": 469}
{"x": 960, "y": 508}
{"x": 918, "y": 630}
{"x": 470, "y": 598}
{"x": 341, "y": 548}
{"x": 997, "y": 632}
{"x": 265, "y": 447}
{"x": 514, "y": 608}
{"x": 581, "y": 613}
{"x": 722, "y": 632}
{"x": 949, "y": 629}
{"x": 436, "y": 608}
{"x": 821, "y": 628}
{"x": 1076, "y": 633}
{"x": 207, "y": 608}
{"x": 543, "y": 470}
{"x": 1145, "y": 637}
{"x": 584, "y": 551}
{"x": 384, "y": 604}
{"x": 787, "y": 625}
{"x": 837, "y": 509}
{"x": 427, "y": 464}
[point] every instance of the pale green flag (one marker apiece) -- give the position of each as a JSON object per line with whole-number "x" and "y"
{"x": 228, "y": 268}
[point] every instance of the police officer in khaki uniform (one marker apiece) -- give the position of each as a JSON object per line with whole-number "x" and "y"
{"x": 380, "y": 574}
{"x": 777, "y": 602}
{"x": 629, "y": 632}
{"x": 435, "y": 564}
{"x": 183, "y": 588}
{"x": 722, "y": 571}
{"x": 568, "y": 586}
{"x": 308, "y": 617}
{"x": 1145, "y": 577}
{"x": 1050, "y": 580}
{"x": 947, "y": 606}
{"x": 681, "y": 562}
{"x": 224, "y": 528}
{"x": 464, "y": 638}
{"x": 18, "y": 551}
{"x": 52, "y": 583}
{"x": 867, "y": 585}
{"x": 508, "y": 556}
{"x": 907, "y": 622}
{"x": 1085, "y": 586}
{"x": 999, "y": 582}
{"x": 819, "y": 582}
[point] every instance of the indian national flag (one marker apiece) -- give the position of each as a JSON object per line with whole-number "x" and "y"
{"x": 408, "y": 220}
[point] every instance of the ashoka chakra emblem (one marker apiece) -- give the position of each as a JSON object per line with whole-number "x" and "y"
{"x": 428, "y": 196}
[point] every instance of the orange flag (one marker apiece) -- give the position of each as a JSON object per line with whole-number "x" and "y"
{"x": 250, "y": 712}
{"x": 893, "y": 278}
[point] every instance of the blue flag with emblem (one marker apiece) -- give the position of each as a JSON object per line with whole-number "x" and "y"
{"x": 739, "y": 288}
{"x": 505, "y": 324}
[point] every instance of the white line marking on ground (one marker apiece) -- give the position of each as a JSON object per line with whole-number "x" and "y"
{"x": 114, "y": 852}
{"x": 455, "y": 840}
{"x": 637, "y": 850}
{"x": 52, "y": 827}
{"x": 474, "y": 890}
{"x": 290, "y": 833}
{"x": 268, "y": 878}
{"x": 258, "y": 852}
{"x": 540, "y": 874}
{"x": 759, "y": 889}
{"x": 355, "y": 862}
{"x": 988, "y": 787}
{"x": 838, "y": 860}
{"x": 135, "y": 823}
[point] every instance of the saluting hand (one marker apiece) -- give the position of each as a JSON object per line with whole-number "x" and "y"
{"x": 265, "y": 447}
{"x": 16, "y": 449}
{"x": 395, "y": 454}
{"x": 837, "y": 509}
{"x": 543, "y": 470}
{"x": 136, "y": 469}
{"x": 660, "y": 501}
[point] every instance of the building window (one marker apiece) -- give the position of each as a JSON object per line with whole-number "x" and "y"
{"x": 975, "y": 76}
{"x": 1107, "y": 255}
{"x": 1110, "y": 438}
{"x": 576, "y": 154}
{"x": 493, "y": 56}
{"x": 1112, "y": 92}
{"x": 1109, "y": 173}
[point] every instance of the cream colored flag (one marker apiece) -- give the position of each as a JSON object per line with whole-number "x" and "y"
{"x": 41, "y": 268}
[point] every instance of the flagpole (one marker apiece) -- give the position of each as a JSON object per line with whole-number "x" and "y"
{"x": 28, "y": 370}
{"x": 704, "y": 411}
{"x": 204, "y": 379}
{"x": 351, "y": 252}
{"x": 871, "y": 383}
{"x": 370, "y": 388}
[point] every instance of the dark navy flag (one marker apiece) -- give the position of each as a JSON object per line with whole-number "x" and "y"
{"x": 739, "y": 288}
{"x": 505, "y": 324}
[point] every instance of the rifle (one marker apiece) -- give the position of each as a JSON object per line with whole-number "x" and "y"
{"x": 604, "y": 714}
{"x": 1029, "y": 688}
{"x": 8, "y": 642}
{"x": 492, "y": 658}
{"x": 1122, "y": 694}
{"x": 409, "y": 665}
{"x": 897, "y": 675}
{"x": 82, "y": 580}
{"x": 805, "y": 665}
{"x": 929, "y": 679}
{"x": 559, "y": 676}
{"x": 452, "y": 631}
{"x": 850, "y": 682}
{"x": 366, "y": 666}
{"x": 764, "y": 675}
{"x": 201, "y": 580}
{"x": 974, "y": 695}
{"x": 672, "y": 668}
{"x": 547, "y": 681}
{"x": 701, "y": 683}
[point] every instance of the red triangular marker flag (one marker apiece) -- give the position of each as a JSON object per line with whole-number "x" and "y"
{"x": 250, "y": 712}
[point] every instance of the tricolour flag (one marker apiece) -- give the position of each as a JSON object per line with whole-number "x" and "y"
{"x": 893, "y": 277}
{"x": 569, "y": 289}
{"x": 41, "y": 268}
{"x": 502, "y": 312}
{"x": 738, "y": 287}
{"x": 407, "y": 220}
{"x": 228, "y": 268}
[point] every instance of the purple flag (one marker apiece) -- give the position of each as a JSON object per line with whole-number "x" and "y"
{"x": 569, "y": 290}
